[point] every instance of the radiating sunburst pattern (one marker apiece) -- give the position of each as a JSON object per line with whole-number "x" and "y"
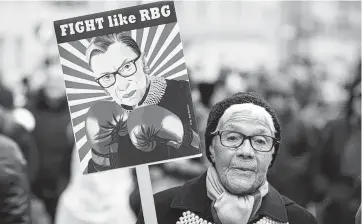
{"x": 162, "y": 48}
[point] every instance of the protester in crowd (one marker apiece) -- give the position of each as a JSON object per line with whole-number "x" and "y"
{"x": 242, "y": 142}
{"x": 289, "y": 174}
{"x": 11, "y": 127}
{"x": 6, "y": 97}
{"x": 14, "y": 184}
{"x": 206, "y": 90}
{"x": 337, "y": 162}
{"x": 304, "y": 84}
{"x": 13, "y": 124}
{"x": 53, "y": 136}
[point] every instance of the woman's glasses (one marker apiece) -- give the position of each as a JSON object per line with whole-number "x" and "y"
{"x": 233, "y": 139}
{"x": 109, "y": 79}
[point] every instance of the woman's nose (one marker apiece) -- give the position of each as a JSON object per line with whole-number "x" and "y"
{"x": 122, "y": 83}
{"x": 245, "y": 150}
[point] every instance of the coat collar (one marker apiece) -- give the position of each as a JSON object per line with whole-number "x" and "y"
{"x": 193, "y": 197}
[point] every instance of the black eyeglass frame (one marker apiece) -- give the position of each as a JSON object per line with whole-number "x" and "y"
{"x": 219, "y": 133}
{"x": 118, "y": 73}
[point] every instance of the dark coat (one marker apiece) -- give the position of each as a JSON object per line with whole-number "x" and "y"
{"x": 55, "y": 146}
{"x": 23, "y": 139}
{"x": 336, "y": 165}
{"x": 192, "y": 196}
{"x": 14, "y": 184}
{"x": 289, "y": 174}
{"x": 177, "y": 99}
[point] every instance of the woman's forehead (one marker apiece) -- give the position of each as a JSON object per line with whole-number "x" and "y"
{"x": 247, "y": 112}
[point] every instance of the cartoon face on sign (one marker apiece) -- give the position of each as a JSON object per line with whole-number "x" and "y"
{"x": 119, "y": 68}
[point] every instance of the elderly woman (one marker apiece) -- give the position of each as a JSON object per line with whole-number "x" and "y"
{"x": 242, "y": 140}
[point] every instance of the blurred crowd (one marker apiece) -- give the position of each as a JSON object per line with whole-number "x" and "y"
{"x": 319, "y": 164}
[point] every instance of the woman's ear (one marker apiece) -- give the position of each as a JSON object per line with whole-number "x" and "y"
{"x": 212, "y": 152}
{"x": 272, "y": 155}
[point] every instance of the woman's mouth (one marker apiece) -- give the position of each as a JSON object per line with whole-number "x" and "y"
{"x": 245, "y": 169}
{"x": 129, "y": 94}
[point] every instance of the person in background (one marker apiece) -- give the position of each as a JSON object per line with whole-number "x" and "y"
{"x": 12, "y": 128}
{"x": 14, "y": 184}
{"x": 337, "y": 161}
{"x": 53, "y": 135}
{"x": 301, "y": 69}
{"x": 15, "y": 123}
{"x": 6, "y": 97}
{"x": 289, "y": 174}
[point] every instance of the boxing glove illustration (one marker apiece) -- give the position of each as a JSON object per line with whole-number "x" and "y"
{"x": 151, "y": 125}
{"x": 104, "y": 122}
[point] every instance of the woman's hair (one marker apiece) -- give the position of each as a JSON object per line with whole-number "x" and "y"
{"x": 100, "y": 44}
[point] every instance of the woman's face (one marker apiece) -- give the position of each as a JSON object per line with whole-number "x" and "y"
{"x": 244, "y": 169}
{"x": 119, "y": 58}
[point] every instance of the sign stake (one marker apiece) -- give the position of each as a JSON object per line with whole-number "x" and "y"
{"x": 146, "y": 193}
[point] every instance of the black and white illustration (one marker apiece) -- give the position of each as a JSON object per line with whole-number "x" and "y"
{"x": 128, "y": 93}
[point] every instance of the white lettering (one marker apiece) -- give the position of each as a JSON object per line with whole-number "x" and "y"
{"x": 165, "y": 11}
{"x": 155, "y": 14}
{"x": 132, "y": 18}
{"x": 63, "y": 28}
{"x": 99, "y": 22}
{"x": 144, "y": 15}
{"x": 79, "y": 27}
{"x": 89, "y": 25}
{"x": 110, "y": 21}
{"x": 71, "y": 29}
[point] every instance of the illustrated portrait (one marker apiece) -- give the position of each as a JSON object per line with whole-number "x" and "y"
{"x": 130, "y": 99}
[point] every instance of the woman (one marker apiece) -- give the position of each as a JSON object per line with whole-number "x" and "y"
{"x": 242, "y": 140}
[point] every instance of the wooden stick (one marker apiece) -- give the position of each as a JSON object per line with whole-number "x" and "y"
{"x": 146, "y": 193}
